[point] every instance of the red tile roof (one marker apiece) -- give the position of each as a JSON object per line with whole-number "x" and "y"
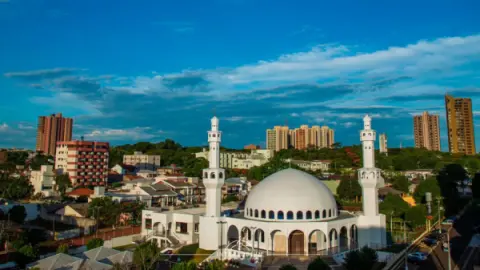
{"x": 132, "y": 177}
{"x": 81, "y": 192}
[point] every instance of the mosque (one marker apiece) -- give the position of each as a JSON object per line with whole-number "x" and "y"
{"x": 290, "y": 212}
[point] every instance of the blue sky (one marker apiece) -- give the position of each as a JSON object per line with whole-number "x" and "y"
{"x": 130, "y": 71}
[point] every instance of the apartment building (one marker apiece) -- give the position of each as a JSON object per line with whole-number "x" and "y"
{"x": 300, "y": 138}
{"x": 426, "y": 128}
{"x": 240, "y": 160}
{"x": 382, "y": 140}
{"x": 461, "y": 137}
{"x": 313, "y": 165}
{"x": 85, "y": 162}
{"x": 142, "y": 161}
{"x": 52, "y": 129}
{"x": 43, "y": 180}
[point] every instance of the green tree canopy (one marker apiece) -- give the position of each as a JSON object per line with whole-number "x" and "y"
{"x": 318, "y": 264}
{"x": 363, "y": 259}
{"x": 15, "y": 188}
{"x": 394, "y": 204}
{"x": 146, "y": 256}
{"x": 94, "y": 243}
{"x": 416, "y": 216}
{"x": 105, "y": 210}
{"x": 134, "y": 208}
{"x": 193, "y": 167}
{"x": 349, "y": 188}
{"x": 288, "y": 267}
{"x": 18, "y": 214}
{"x": 448, "y": 180}
{"x": 428, "y": 185}
{"x": 62, "y": 181}
{"x": 191, "y": 265}
{"x": 401, "y": 183}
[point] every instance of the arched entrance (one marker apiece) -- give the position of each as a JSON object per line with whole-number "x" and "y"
{"x": 333, "y": 237}
{"x": 296, "y": 243}
{"x": 232, "y": 234}
{"x": 246, "y": 236}
{"x": 343, "y": 239}
{"x": 279, "y": 242}
{"x": 317, "y": 241}
{"x": 258, "y": 239}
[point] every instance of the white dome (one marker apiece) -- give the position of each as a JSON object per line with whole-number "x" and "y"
{"x": 291, "y": 195}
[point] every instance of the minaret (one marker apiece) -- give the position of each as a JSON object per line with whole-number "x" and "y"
{"x": 212, "y": 234}
{"x": 371, "y": 223}
{"x": 213, "y": 177}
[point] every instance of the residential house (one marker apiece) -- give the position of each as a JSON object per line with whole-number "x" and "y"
{"x": 74, "y": 210}
{"x": 421, "y": 174}
{"x": 170, "y": 170}
{"x": 80, "y": 192}
{"x": 100, "y": 258}
{"x": 147, "y": 174}
{"x": 237, "y": 186}
{"x": 313, "y": 165}
{"x": 124, "y": 169}
{"x": 188, "y": 192}
{"x": 161, "y": 195}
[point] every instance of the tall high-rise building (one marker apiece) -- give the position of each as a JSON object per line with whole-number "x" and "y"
{"x": 382, "y": 140}
{"x": 280, "y": 137}
{"x": 277, "y": 138}
{"x": 461, "y": 137}
{"x": 426, "y": 131}
{"x": 52, "y": 129}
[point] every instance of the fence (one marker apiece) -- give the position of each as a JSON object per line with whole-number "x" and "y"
{"x": 120, "y": 241}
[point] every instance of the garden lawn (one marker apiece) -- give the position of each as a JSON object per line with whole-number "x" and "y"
{"x": 193, "y": 252}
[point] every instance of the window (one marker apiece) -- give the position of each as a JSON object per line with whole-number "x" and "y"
{"x": 290, "y": 215}
{"x": 212, "y": 175}
{"x": 196, "y": 227}
{"x": 262, "y": 237}
{"x": 280, "y": 215}
{"x": 309, "y": 215}
{"x": 324, "y": 213}
{"x": 249, "y": 235}
{"x": 263, "y": 214}
{"x": 220, "y": 175}
{"x": 148, "y": 223}
{"x": 329, "y": 212}
{"x": 251, "y": 213}
{"x": 271, "y": 215}
{"x": 206, "y": 175}
{"x": 181, "y": 227}
{"x": 317, "y": 214}
{"x": 256, "y": 213}
{"x": 299, "y": 215}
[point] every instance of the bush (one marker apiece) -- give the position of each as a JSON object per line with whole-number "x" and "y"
{"x": 288, "y": 267}
{"x": 18, "y": 214}
{"x": 416, "y": 216}
{"x": 94, "y": 243}
{"x": 318, "y": 264}
{"x": 63, "y": 248}
{"x": 363, "y": 259}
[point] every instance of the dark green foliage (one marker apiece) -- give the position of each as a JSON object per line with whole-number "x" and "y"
{"x": 230, "y": 198}
{"x": 349, "y": 188}
{"x": 94, "y": 243}
{"x": 448, "y": 179}
{"x": 400, "y": 183}
{"x": 416, "y": 216}
{"x": 63, "y": 182}
{"x": 62, "y": 248}
{"x": 18, "y": 214}
{"x": 287, "y": 267}
{"x": 363, "y": 259}
{"x": 193, "y": 167}
{"x": 135, "y": 209}
{"x": 190, "y": 266}
{"x": 39, "y": 160}
{"x": 15, "y": 188}
{"x": 104, "y": 210}
{"x": 476, "y": 186}
{"x": 318, "y": 264}
{"x": 146, "y": 255}
{"x": 395, "y": 204}
{"x": 271, "y": 167}
{"x": 25, "y": 255}
{"x": 428, "y": 185}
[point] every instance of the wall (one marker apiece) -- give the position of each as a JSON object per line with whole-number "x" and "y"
{"x": 120, "y": 241}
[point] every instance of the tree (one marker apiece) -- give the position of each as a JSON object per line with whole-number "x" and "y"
{"x": 394, "y": 204}
{"x": 40, "y": 159}
{"x": 15, "y": 188}
{"x": 104, "y": 210}
{"x": 18, "y": 214}
{"x": 63, "y": 248}
{"x": 288, "y": 267}
{"x": 191, "y": 265}
{"x": 318, "y": 264}
{"x": 363, "y": 259}
{"x": 135, "y": 209}
{"x": 448, "y": 180}
{"x": 25, "y": 255}
{"x": 476, "y": 186}
{"x": 94, "y": 243}
{"x": 416, "y": 215}
{"x": 349, "y": 188}
{"x": 193, "y": 167}
{"x": 428, "y": 185}
{"x": 146, "y": 256}
{"x": 214, "y": 265}
{"x": 63, "y": 182}
{"x": 401, "y": 183}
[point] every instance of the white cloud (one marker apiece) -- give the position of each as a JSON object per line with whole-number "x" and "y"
{"x": 239, "y": 118}
{"x": 328, "y": 116}
{"x": 110, "y": 134}
{"x": 3, "y": 127}
{"x": 64, "y": 100}
{"x": 349, "y": 124}
{"x": 294, "y": 115}
{"x": 25, "y": 126}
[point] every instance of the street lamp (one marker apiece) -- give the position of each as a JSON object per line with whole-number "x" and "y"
{"x": 221, "y": 238}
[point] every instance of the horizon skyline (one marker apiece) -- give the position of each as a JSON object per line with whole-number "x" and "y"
{"x": 160, "y": 73}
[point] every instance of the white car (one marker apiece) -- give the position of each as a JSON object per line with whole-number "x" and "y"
{"x": 417, "y": 256}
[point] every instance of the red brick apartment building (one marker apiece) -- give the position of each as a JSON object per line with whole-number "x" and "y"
{"x": 85, "y": 162}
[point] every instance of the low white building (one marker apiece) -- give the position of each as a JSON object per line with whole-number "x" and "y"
{"x": 312, "y": 165}
{"x": 43, "y": 180}
{"x": 290, "y": 212}
{"x": 142, "y": 161}
{"x": 241, "y": 160}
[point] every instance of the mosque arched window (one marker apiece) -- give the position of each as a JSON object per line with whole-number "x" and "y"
{"x": 220, "y": 175}
{"x": 263, "y": 214}
{"x": 290, "y": 215}
{"x": 299, "y": 215}
{"x": 246, "y": 211}
{"x": 280, "y": 215}
{"x": 256, "y": 213}
{"x": 271, "y": 214}
{"x": 249, "y": 234}
{"x": 206, "y": 175}
{"x": 324, "y": 214}
{"x": 262, "y": 237}
{"x": 330, "y": 213}
{"x": 309, "y": 215}
{"x": 212, "y": 175}
{"x": 317, "y": 214}
{"x": 251, "y": 212}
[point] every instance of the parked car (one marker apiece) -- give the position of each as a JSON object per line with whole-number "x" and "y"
{"x": 430, "y": 241}
{"x": 417, "y": 257}
{"x": 437, "y": 234}
{"x": 449, "y": 221}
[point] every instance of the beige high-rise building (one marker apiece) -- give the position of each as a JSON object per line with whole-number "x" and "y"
{"x": 52, "y": 129}
{"x": 426, "y": 131}
{"x": 382, "y": 140}
{"x": 461, "y": 137}
{"x": 280, "y": 137}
